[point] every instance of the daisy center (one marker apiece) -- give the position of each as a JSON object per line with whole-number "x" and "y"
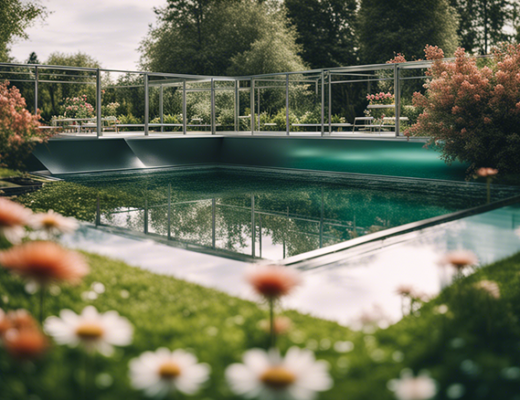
{"x": 277, "y": 377}
{"x": 49, "y": 223}
{"x": 89, "y": 331}
{"x": 169, "y": 370}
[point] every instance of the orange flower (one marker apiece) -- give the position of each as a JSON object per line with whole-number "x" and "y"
{"x": 13, "y": 218}
{"x": 21, "y": 319}
{"x": 44, "y": 262}
{"x": 460, "y": 259}
{"x": 486, "y": 172}
{"x": 273, "y": 281}
{"x": 25, "y": 344}
{"x": 281, "y": 325}
{"x": 5, "y": 323}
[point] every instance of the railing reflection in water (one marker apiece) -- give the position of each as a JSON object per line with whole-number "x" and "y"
{"x": 243, "y": 229}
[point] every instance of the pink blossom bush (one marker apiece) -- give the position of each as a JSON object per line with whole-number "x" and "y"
{"x": 77, "y": 107}
{"x": 18, "y": 128}
{"x": 473, "y": 113}
{"x": 380, "y": 98}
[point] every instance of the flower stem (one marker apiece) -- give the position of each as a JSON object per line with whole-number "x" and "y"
{"x": 42, "y": 297}
{"x": 271, "y": 323}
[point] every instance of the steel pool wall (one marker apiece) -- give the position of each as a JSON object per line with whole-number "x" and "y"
{"x": 391, "y": 157}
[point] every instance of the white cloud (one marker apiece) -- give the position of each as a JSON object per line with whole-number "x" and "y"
{"x": 108, "y": 30}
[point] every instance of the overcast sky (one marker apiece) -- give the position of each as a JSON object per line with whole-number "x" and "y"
{"x": 108, "y": 30}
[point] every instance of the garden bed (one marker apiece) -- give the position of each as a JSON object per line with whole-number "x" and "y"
{"x": 466, "y": 339}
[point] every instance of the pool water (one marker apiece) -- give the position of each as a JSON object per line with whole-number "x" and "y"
{"x": 255, "y": 214}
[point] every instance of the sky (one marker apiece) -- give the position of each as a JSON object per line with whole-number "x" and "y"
{"x": 108, "y": 30}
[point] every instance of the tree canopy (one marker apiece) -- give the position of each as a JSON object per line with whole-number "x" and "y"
{"x": 219, "y": 37}
{"x": 405, "y": 26}
{"x": 325, "y": 31}
{"x": 15, "y": 17}
{"x": 482, "y": 23}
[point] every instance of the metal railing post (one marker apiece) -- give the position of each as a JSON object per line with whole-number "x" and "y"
{"x": 169, "y": 211}
{"x": 145, "y": 215}
{"x": 330, "y": 104}
{"x": 253, "y": 227}
{"x": 287, "y": 128}
{"x": 322, "y": 102}
{"x": 35, "y": 90}
{"x": 237, "y": 105}
{"x": 258, "y": 101}
{"x": 146, "y": 104}
{"x": 184, "y": 108}
{"x": 252, "y": 106}
{"x": 161, "y": 106}
{"x": 99, "y": 122}
{"x": 212, "y": 106}
{"x": 397, "y": 100}
{"x": 213, "y": 223}
{"x": 98, "y": 212}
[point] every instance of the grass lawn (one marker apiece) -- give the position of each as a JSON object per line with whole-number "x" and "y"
{"x": 472, "y": 350}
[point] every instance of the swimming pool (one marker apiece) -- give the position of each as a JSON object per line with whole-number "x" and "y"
{"x": 252, "y": 213}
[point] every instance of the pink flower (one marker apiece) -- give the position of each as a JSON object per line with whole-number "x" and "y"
{"x": 486, "y": 172}
{"x": 273, "y": 281}
{"x": 13, "y": 219}
{"x": 44, "y": 262}
{"x": 460, "y": 259}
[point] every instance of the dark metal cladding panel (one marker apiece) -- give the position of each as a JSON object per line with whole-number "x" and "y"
{"x": 65, "y": 156}
{"x": 176, "y": 151}
{"x": 368, "y": 156}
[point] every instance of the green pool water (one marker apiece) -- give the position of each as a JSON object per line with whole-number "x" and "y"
{"x": 271, "y": 215}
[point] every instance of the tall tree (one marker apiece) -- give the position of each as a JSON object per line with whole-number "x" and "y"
{"x": 325, "y": 31}
{"x": 483, "y": 23}
{"x": 203, "y": 36}
{"x": 405, "y": 26}
{"x": 15, "y": 17}
{"x": 55, "y": 93}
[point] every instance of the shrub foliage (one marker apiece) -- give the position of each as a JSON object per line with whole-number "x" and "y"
{"x": 473, "y": 113}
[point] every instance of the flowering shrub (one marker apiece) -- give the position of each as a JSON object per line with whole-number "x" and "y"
{"x": 473, "y": 113}
{"x": 109, "y": 110}
{"x": 381, "y": 98}
{"x": 18, "y": 128}
{"x": 77, "y": 107}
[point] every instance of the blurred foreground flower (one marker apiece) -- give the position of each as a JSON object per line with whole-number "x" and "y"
{"x": 281, "y": 325}
{"x": 21, "y": 335}
{"x": 96, "y": 332}
{"x": 459, "y": 259}
{"x": 13, "y": 219}
{"x": 487, "y": 173}
{"x": 490, "y": 287}
{"x": 409, "y": 387}
{"x": 26, "y": 343}
{"x": 163, "y": 372}
{"x": 44, "y": 262}
{"x": 54, "y": 224}
{"x": 273, "y": 282}
{"x": 263, "y": 375}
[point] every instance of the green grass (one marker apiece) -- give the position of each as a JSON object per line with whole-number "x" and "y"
{"x": 475, "y": 344}
{"x": 7, "y": 173}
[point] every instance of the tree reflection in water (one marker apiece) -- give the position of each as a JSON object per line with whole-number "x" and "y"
{"x": 283, "y": 216}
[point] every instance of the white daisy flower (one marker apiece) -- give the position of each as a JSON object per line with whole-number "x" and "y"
{"x": 54, "y": 223}
{"x": 409, "y": 387}
{"x": 268, "y": 376}
{"x": 163, "y": 371}
{"x": 96, "y": 332}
